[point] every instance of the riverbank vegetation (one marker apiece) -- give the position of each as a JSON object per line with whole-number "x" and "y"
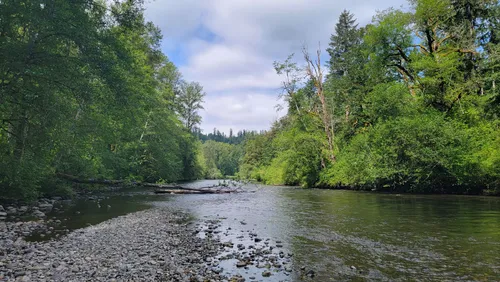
{"x": 222, "y": 154}
{"x": 409, "y": 103}
{"x": 85, "y": 91}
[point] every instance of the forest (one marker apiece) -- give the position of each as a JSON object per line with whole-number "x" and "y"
{"x": 407, "y": 103}
{"x": 85, "y": 92}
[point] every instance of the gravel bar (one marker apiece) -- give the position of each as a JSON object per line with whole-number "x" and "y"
{"x": 158, "y": 244}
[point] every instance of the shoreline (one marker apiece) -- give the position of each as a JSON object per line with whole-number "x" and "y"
{"x": 381, "y": 191}
{"x": 150, "y": 245}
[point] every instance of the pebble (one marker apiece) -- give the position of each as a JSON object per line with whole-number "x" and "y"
{"x": 109, "y": 251}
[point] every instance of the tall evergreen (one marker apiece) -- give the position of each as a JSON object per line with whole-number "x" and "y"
{"x": 346, "y": 36}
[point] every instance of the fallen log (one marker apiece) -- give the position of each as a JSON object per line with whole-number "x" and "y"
{"x": 168, "y": 188}
{"x": 183, "y": 191}
{"x": 161, "y": 188}
{"x": 175, "y": 186}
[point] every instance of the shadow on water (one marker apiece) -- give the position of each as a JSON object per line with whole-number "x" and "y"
{"x": 95, "y": 209}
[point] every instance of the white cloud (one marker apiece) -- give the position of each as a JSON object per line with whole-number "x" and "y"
{"x": 229, "y": 47}
{"x": 241, "y": 110}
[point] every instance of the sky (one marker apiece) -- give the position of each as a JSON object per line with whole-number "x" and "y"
{"x": 229, "y": 47}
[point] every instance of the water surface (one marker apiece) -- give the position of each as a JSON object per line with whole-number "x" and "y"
{"x": 345, "y": 235}
{"x": 341, "y": 235}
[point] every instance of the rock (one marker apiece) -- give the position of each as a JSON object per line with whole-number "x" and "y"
{"x": 45, "y": 206}
{"x": 227, "y": 244}
{"x": 23, "y": 209}
{"x": 38, "y": 214}
{"x": 257, "y": 240}
{"x": 237, "y": 278}
{"x": 310, "y": 273}
{"x": 353, "y": 267}
{"x": 19, "y": 273}
{"x": 3, "y": 214}
{"x": 266, "y": 273}
{"x": 11, "y": 210}
{"x": 1, "y": 208}
{"x": 241, "y": 263}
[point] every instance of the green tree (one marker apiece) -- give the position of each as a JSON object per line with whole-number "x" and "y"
{"x": 189, "y": 99}
{"x": 86, "y": 91}
{"x": 343, "y": 41}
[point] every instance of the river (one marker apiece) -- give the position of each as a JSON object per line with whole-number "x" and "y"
{"x": 344, "y": 235}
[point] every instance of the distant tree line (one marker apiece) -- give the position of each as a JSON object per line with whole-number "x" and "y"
{"x": 218, "y": 136}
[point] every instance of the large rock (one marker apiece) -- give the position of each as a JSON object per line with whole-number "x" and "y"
{"x": 23, "y": 209}
{"x": 38, "y": 214}
{"x": 45, "y": 206}
{"x": 11, "y": 210}
{"x": 1, "y": 208}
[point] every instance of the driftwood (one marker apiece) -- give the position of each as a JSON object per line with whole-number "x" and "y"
{"x": 177, "y": 189}
{"x": 161, "y": 188}
{"x": 191, "y": 191}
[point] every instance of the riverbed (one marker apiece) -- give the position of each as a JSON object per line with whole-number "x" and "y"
{"x": 326, "y": 235}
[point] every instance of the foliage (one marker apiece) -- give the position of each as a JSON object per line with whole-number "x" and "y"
{"x": 286, "y": 155}
{"x": 221, "y": 159}
{"x": 412, "y": 100}
{"x": 232, "y": 138}
{"x": 188, "y": 100}
{"x": 86, "y": 91}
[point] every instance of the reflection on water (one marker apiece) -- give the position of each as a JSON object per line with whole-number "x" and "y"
{"x": 353, "y": 235}
{"x": 92, "y": 210}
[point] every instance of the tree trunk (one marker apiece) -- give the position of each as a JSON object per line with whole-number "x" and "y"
{"x": 315, "y": 73}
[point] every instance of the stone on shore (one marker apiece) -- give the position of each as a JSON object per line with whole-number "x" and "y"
{"x": 150, "y": 245}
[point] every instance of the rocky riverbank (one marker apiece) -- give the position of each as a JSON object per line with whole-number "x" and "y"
{"x": 158, "y": 244}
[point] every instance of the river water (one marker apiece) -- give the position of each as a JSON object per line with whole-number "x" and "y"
{"x": 348, "y": 235}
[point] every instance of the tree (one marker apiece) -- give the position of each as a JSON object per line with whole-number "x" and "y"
{"x": 92, "y": 97}
{"x": 189, "y": 99}
{"x": 346, "y": 37}
{"x": 412, "y": 98}
{"x": 348, "y": 78}
{"x": 315, "y": 73}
